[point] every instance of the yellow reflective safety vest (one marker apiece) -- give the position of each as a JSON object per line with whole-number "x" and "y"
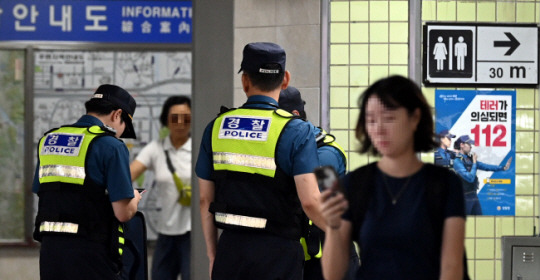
{"x": 252, "y": 192}
{"x": 312, "y": 242}
{"x": 70, "y": 203}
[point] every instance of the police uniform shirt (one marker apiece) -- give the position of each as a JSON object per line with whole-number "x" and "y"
{"x": 331, "y": 156}
{"x": 107, "y": 164}
{"x": 443, "y": 156}
{"x": 296, "y": 151}
{"x": 466, "y": 168}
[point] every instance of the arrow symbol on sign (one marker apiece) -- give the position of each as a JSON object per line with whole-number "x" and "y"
{"x": 513, "y": 43}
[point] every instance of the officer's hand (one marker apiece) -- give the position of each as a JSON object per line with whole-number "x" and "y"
{"x": 474, "y": 157}
{"x": 137, "y": 195}
{"x": 333, "y": 205}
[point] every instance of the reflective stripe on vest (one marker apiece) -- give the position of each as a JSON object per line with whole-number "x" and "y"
{"x": 244, "y": 140}
{"x": 58, "y": 227}
{"x": 62, "y": 154}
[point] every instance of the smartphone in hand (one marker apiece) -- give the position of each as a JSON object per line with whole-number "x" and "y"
{"x": 141, "y": 190}
{"x": 327, "y": 178}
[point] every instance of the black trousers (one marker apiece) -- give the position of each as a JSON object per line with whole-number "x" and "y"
{"x": 253, "y": 255}
{"x": 69, "y": 257}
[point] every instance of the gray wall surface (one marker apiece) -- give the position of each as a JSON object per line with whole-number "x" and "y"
{"x": 295, "y": 25}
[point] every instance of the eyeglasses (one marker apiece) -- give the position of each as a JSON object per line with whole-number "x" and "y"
{"x": 180, "y": 118}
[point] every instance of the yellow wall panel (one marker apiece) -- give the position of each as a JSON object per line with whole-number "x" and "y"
{"x": 339, "y": 11}
{"x": 446, "y": 10}
{"x": 360, "y": 11}
{"x": 339, "y": 54}
{"x": 506, "y": 11}
{"x": 359, "y": 54}
{"x": 525, "y": 12}
{"x": 359, "y": 32}
{"x": 466, "y": 11}
{"x": 378, "y": 32}
{"x": 486, "y": 11}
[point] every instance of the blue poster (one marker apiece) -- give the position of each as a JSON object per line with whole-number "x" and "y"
{"x": 157, "y": 21}
{"x": 476, "y": 133}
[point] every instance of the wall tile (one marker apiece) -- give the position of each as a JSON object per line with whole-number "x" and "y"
{"x": 485, "y": 270}
{"x": 506, "y": 12}
{"x": 377, "y": 72}
{"x": 359, "y": 76}
{"x": 339, "y": 11}
{"x": 378, "y": 53}
{"x": 525, "y": 206}
{"x": 293, "y": 12}
{"x": 524, "y": 226}
{"x": 360, "y": 32}
{"x": 254, "y": 13}
{"x": 485, "y": 226}
{"x": 339, "y": 119}
{"x": 378, "y": 10}
{"x": 446, "y": 11}
{"x": 524, "y": 184}
{"x": 339, "y": 97}
{"x": 504, "y": 226}
{"x": 485, "y": 11}
{"x": 360, "y": 54}
{"x": 399, "y": 54}
{"x": 466, "y": 11}
{"x": 429, "y": 10}
{"x": 525, "y": 98}
{"x": 399, "y": 32}
{"x": 525, "y": 141}
{"x": 339, "y": 54}
{"x": 339, "y": 76}
{"x": 399, "y": 11}
{"x": 525, "y": 12}
{"x": 359, "y": 11}
{"x": 339, "y": 33}
{"x": 524, "y": 163}
{"x": 378, "y": 32}
{"x": 485, "y": 248}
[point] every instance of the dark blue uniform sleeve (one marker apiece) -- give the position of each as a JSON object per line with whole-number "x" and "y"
{"x": 108, "y": 164}
{"x": 329, "y": 155}
{"x": 488, "y": 167}
{"x": 460, "y": 169}
{"x": 204, "y": 166}
{"x": 297, "y": 150}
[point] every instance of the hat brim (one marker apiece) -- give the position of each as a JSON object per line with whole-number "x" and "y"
{"x": 129, "y": 131}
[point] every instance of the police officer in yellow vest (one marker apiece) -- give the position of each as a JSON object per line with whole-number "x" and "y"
{"x": 85, "y": 194}
{"x": 255, "y": 176}
{"x": 330, "y": 153}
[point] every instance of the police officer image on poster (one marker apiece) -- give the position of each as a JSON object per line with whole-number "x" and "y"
{"x": 443, "y": 156}
{"x": 85, "y": 194}
{"x": 466, "y": 164}
{"x": 255, "y": 170}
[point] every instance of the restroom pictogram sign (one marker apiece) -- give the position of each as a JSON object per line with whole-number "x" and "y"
{"x": 504, "y": 55}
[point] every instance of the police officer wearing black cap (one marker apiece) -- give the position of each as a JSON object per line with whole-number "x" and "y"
{"x": 443, "y": 156}
{"x": 255, "y": 176}
{"x": 466, "y": 165}
{"x": 330, "y": 153}
{"x": 85, "y": 194}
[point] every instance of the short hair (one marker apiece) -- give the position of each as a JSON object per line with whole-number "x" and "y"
{"x": 100, "y": 106}
{"x": 265, "y": 81}
{"x": 395, "y": 92}
{"x": 171, "y": 101}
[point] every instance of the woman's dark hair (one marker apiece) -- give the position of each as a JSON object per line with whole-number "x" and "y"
{"x": 171, "y": 101}
{"x": 267, "y": 82}
{"x": 395, "y": 92}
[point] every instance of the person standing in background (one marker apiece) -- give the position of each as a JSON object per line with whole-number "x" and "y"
{"x": 85, "y": 193}
{"x": 408, "y": 217}
{"x": 169, "y": 157}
